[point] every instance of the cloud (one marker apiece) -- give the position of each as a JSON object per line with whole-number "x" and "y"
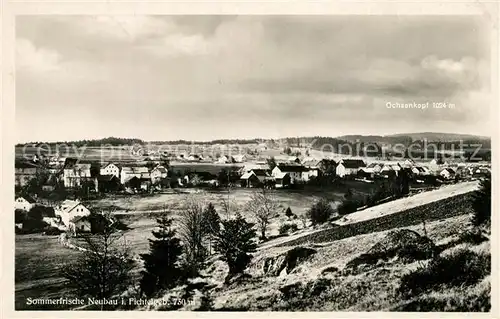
{"x": 34, "y": 60}
{"x": 125, "y": 28}
{"x": 269, "y": 74}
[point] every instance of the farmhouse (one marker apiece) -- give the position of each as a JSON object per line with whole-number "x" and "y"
{"x": 194, "y": 158}
{"x": 81, "y": 224}
{"x": 282, "y": 180}
{"x": 349, "y": 167}
{"x": 408, "y": 163}
{"x": 110, "y": 169}
{"x": 130, "y": 171}
{"x": 239, "y": 158}
{"x": 310, "y": 162}
{"x": 249, "y": 179}
{"x": 223, "y": 159}
{"x": 287, "y": 159}
{"x": 158, "y": 174}
{"x": 294, "y": 171}
{"x": 327, "y": 166}
{"x": 366, "y": 172}
{"x": 70, "y": 209}
{"x": 25, "y": 203}
{"x": 433, "y": 165}
{"x": 310, "y": 172}
{"x": 74, "y": 174}
{"x": 262, "y": 174}
{"x": 447, "y": 173}
{"x": 108, "y": 183}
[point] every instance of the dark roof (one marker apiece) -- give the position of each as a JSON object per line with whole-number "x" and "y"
{"x": 292, "y": 168}
{"x": 450, "y": 170}
{"x": 327, "y": 161}
{"x": 69, "y": 162}
{"x": 260, "y": 172}
{"x": 353, "y": 163}
{"x": 106, "y": 178}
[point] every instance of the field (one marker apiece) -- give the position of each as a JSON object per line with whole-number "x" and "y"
{"x": 39, "y": 258}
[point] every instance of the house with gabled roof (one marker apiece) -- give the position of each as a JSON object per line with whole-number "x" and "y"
{"x": 282, "y": 180}
{"x": 158, "y": 174}
{"x": 75, "y": 173}
{"x": 128, "y": 172}
{"x": 249, "y": 179}
{"x": 447, "y": 173}
{"x": 108, "y": 183}
{"x": 348, "y": 167}
{"x": 295, "y": 171}
{"x": 110, "y": 169}
{"x": 70, "y": 209}
{"x": 239, "y": 158}
{"x": 25, "y": 203}
{"x": 81, "y": 224}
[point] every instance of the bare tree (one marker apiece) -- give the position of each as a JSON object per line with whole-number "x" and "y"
{"x": 103, "y": 268}
{"x": 262, "y": 206}
{"x": 192, "y": 231}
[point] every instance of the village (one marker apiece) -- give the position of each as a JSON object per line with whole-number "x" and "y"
{"x": 40, "y": 179}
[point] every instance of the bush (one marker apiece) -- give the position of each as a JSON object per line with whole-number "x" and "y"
{"x": 20, "y": 216}
{"x": 461, "y": 267}
{"x": 320, "y": 212}
{"x": 51, "y": 231}
{"x": 482, "y": 203}
{"x": 348, "y": 206}
{"x": 287, "y": 228}
{"x": 31, "y": 225}
{"x": 473, "y": 236}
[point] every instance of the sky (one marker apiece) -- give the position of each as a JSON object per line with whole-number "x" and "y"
{"x": 210, "y": 77}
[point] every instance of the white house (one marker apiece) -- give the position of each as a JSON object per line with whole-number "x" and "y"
{"x": 74, "y": 175}
{"x": 447, "y": 173}
{"x": 408, "y": 163}
{"x": 128, "y": 172}
{"x": 433, "y": 166}
{"x": 81, "y": 224}
{"x": 294, "y": 171}
{"x": 239, "y": 158}
{"x": 194, "y": 157}
{"x": 349, "y": 167}
{"x": 25, "y": 203}
{"x": 223, "y": 159}
{"x": 158, "y": 173}
{"x": 70, "y": 209}
{"x": 110, "y": 169}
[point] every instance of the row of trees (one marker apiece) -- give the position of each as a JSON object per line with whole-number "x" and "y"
{"x": 178, "y": 251}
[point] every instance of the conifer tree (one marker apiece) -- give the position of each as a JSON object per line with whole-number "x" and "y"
{"x": 161, "y": 265}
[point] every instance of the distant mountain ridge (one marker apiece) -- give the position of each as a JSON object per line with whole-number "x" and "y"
{"x": 383, "y": 139}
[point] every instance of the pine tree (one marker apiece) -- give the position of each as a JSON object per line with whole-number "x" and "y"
{"x": 161, "y": 263}
{"x": 235, "y": 243}
{"x": 212, "y": 223}
{"x": 482, "y": 203}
